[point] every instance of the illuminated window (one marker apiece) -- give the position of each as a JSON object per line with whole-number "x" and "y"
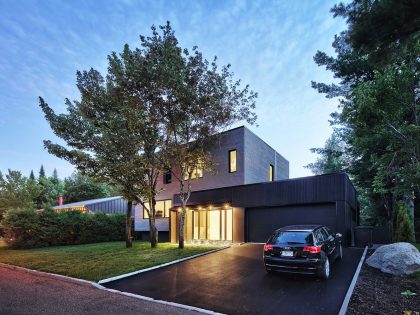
{"x": 232, "y": 161}
{"x": 271, "y": 175}
{"x": 162, "y": 209}
{"x": 197, "y": 172}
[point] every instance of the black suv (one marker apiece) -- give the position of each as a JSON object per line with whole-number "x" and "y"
{"x": 307, "y": 249}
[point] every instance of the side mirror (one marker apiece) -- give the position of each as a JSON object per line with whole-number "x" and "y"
{"x": 339, "y": 235}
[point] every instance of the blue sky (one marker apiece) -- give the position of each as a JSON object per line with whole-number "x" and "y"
{"x": 270, "y": 45}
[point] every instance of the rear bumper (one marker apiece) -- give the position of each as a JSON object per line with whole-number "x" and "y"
{"x": 306, "y": 266}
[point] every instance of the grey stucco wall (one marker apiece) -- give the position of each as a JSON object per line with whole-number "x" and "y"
{"x": 258, "y": 157}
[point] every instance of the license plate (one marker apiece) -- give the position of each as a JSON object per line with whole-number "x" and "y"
{"x": 287, "y": 253}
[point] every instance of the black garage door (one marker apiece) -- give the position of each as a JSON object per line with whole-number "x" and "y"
{"x": 261, "y": 222}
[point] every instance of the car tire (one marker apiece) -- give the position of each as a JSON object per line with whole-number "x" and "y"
{"x": 340, "y": 252}
{"x": 324, "y": 271}
{"x": 269, "y": 271}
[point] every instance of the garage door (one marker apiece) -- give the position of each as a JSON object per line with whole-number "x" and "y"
{"x": 261, "y": 222}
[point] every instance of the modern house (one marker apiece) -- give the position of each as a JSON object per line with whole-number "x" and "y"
{"x": 249, "y": 195}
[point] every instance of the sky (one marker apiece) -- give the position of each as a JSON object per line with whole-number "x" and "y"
{"x": 269, "y": 44}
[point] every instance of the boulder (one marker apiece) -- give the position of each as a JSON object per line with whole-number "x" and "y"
{"x": 398, "y": 259}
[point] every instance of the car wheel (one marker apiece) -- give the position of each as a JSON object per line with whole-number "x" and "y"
{"x": 324, "y": 272}
{"x": 340, "y": 253}
{"x": 269, "y": 270}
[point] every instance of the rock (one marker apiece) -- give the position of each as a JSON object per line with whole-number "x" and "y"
{"x": 397, "y": 259}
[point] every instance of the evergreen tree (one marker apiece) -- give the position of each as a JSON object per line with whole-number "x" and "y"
{"x": 32, "y": 176}
{"x": 41, "y": 172}
{"x": 55, "y": 175}
{"x": 378, "y": 67}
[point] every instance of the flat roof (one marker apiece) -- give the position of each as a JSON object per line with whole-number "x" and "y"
{"x": 87, "y": 202}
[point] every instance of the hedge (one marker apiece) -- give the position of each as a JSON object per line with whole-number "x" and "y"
{"x": 24, "y": 228}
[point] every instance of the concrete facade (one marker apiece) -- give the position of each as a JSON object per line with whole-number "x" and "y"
{"x": 254, "y": 157}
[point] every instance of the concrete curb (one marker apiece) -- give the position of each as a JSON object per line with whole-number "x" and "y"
{"x": 100, "y": 287}
{"x": 50, "y": 275}
{"x": 158, "y": 266}
{"x": 346, "y": 301}
{"x": 145, "y": 298}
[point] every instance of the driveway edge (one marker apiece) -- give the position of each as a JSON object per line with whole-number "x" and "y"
{"x": 100, "y": 287}
{"x": 349, "y": 293}
{"x": 159, "y": 266}
{"x": 51, "y": 275}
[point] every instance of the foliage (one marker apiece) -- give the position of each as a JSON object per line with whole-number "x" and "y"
{"x": 195, "y": 100}
{"x": 97, "y": 261}
{"x": 24, "y": 228}
{"x": 106, "y": 133}
{"x": 157, "y": 108}
{"x": 79, "y": 187}
{"x": 331, "y": 158}
{"x": 17, "y": 191}
{"x": 403, "y": 231}
{"x": 378, "y": 69}
{"x": 42, "y": 172}
{"x": 408, "y": 293}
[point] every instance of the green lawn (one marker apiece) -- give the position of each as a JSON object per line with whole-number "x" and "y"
{"x": 96, "y": 261}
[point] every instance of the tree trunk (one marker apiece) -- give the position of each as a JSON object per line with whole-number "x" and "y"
{"x": 128, "y": 238}
{"x": 181, "y": 227}
{"x": 153, "y": 233}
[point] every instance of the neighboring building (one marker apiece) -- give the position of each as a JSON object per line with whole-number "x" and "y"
{"x": 106, "y": 205}
{"x": 239, "y": 158}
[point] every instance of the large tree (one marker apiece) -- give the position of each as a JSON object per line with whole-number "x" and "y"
{"x": 378, "y": 68}
{"x": 196, "y": 100}
{"x": 106, "y": 132}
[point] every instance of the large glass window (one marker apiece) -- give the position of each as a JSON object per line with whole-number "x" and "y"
{"x": 229, "y": 225}
{"x": 162, "y": 209}
{"x": 271, "y": 174}
{"x": 195, "y": 225}
{"x": 213, "y": 232}
{"x": 212, "y": 225}
{"x": 196, "y": 172}
{"x": 232, "y": 161}
{"x": 203, "y": 225}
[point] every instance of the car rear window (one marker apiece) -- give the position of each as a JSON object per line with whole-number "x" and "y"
{"x": 292, "y": 237}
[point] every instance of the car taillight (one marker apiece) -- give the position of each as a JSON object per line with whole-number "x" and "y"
{"x": 268, "y": 247}
{"x": 312, "y": 249}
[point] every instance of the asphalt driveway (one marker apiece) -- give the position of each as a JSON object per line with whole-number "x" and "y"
{"x": 233, "y": 281}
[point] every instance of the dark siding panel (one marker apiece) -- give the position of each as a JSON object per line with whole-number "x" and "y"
{"x": 308, "y": 190}
{"x": 262, "y": 222}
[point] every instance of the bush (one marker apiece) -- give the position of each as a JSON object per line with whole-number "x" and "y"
{"x": 403, "y": 225}
{"x": 24, "y": 228}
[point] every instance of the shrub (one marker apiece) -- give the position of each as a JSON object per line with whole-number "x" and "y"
{"x": 403, "y": 226}
{"x": 24, "y": 228}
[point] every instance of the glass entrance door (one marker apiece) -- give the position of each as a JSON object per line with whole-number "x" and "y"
{"x": 215, "y": 225}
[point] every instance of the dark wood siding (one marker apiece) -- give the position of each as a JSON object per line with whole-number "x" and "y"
{"x": 307, "y": 190}
{"x": 262, "y": 222}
